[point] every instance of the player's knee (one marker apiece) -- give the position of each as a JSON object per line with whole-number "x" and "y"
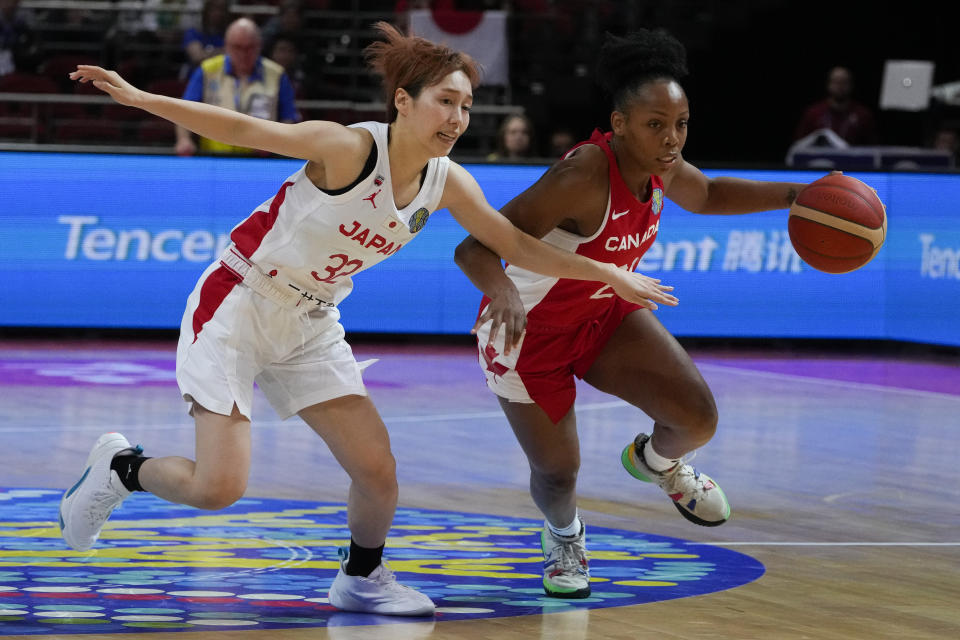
{"x": 559, "y": 478}
{"x": 220, "y": 494}
{"x": 384, "y": 482}
{"x": 702, "y": 417}
{"x": 561, "y": 483}
{"x": 378, "y": 475}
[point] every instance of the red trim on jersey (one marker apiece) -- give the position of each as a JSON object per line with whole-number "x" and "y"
{"x": 213, "y": 292}
{"x": 247, "y": 237}
{"x": 251, "y": 232}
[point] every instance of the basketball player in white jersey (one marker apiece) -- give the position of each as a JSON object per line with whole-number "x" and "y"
{"x": 536, "y": 332}
{"x": 266, "y": 311}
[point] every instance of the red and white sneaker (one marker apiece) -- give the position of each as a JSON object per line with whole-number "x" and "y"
{"x": 566, "y": 573}
{"x": 695, "y": 495}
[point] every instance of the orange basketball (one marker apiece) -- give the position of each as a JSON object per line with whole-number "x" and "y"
{"x": 837, "y": 224}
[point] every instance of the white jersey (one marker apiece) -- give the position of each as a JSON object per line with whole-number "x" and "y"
{"x": 313, "y": 242}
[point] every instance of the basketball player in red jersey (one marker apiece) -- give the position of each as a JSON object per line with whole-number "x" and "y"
{"x": 604, "y": 200}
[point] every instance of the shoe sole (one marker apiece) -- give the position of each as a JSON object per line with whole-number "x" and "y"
{"x": 92, "y": 459}
{"x": 359, "y": 608}
{"x": 700, "y": 521}
{"x": 566, "y": 595}
{"x": 627, "y": 461}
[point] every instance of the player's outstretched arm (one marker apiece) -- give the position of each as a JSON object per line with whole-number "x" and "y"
{"x": 695, "y": 192}
{"x": 462, "y": 195}
{"x": 536, "y": 212}
{"x": 314, "y": 140}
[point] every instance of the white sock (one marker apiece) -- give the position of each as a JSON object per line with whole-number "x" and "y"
{"x": 656, "y": 461}
{"x": 572, "y": 529}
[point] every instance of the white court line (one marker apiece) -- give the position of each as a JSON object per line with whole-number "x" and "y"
{"x": 826, "y": 544}
{"x": 866, "y": 386}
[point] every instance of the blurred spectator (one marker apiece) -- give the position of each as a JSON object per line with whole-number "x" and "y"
{"x": 288, "y": 20}
{"x": 561, "y": 139}
{"x": 284, "y": 49}
{"x": 206, "y": 41}
{"x": 514, "y": 139}
{"x": 947, "y": 139}
{"x": 240, "y": 80}
{"x": 839, "y": 112}
{"x": 77, "y": 30}
{"x": 151, "y": 17}
{"x": 138, "y": 42}
{"x": 18, "y": 45}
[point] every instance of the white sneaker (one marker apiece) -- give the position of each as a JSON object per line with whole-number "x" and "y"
{"x": 377, "y": 593}
{"x": 566, "y": 573}
{"x": 86, "y": 506}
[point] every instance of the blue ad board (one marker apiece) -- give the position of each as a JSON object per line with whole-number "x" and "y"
{"x": 119, "y": 241}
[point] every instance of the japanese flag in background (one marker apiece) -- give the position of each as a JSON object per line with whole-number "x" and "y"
{"x": 482, "y": 34}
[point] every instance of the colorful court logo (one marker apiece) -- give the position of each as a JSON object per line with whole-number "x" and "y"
{"x": 267, "y": 564}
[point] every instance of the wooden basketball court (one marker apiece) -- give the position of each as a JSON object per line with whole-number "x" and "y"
{"x": 843, "y": 472}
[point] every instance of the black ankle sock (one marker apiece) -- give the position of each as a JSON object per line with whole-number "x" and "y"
{"x": 127, "y": 465}
{"x": 362, "y": 561}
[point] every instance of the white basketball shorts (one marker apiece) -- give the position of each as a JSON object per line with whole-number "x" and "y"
{"x": 231, "y": 337}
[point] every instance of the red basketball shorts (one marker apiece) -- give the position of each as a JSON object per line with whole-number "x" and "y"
{"x": 541, "y": 368}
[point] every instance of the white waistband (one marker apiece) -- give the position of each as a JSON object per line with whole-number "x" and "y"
{"x": 290, "y": 297}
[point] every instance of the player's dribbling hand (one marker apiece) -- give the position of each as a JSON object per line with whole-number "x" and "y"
{"x": 109, "y": 82}
{"x": 642, "y": 290}
{"x": 506, "y": 311}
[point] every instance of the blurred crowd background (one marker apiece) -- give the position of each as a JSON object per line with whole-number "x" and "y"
{"x": 756, "y": 68}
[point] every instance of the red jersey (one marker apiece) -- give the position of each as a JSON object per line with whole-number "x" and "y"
{"x": 629, "y": 228}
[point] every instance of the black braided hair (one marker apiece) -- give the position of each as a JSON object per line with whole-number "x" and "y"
{"x": 626, "y": 63}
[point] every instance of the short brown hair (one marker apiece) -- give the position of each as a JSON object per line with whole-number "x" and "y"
{"x": 413, "y": 63}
